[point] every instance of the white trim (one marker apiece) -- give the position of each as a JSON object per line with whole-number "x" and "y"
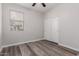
{"x": 21, "y": 43}
{"x": 68, "y": 47}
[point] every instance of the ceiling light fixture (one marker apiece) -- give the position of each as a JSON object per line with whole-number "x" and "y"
{"x": 43, "y": 4}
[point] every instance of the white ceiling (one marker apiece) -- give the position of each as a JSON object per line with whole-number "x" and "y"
{"x": 39, "y": 7}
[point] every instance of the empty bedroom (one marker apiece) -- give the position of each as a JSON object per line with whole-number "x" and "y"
{"x": 39, "y": 29}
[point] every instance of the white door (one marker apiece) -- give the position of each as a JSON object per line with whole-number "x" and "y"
{"x": 51, "y": 29}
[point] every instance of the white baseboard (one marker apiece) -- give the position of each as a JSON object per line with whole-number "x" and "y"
{"x": 69, "y": 47}
{"x": 21, "y": 43}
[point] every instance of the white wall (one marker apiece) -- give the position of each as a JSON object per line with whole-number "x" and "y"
{"x": 33, "y": 26}
{"x": 67, "y": 18}
{"x": 61, "y": 25}
{"x": 0, "y": 23}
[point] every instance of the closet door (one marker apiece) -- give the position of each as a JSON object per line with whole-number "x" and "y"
{"x": 51, "y": 29}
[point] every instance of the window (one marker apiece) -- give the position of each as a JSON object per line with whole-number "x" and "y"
{"x": 16, "y": 21}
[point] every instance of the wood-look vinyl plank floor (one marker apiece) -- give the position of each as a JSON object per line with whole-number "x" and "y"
{"x": 46, "y": 49}
{"x": 64, "y": 50}
{"x": 38, "y": 48}
{"x": 55, "y": 48}
{"x": 25, "y": 50}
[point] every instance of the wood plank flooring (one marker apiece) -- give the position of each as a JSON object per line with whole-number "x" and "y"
{"x": 38, "y": 48}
